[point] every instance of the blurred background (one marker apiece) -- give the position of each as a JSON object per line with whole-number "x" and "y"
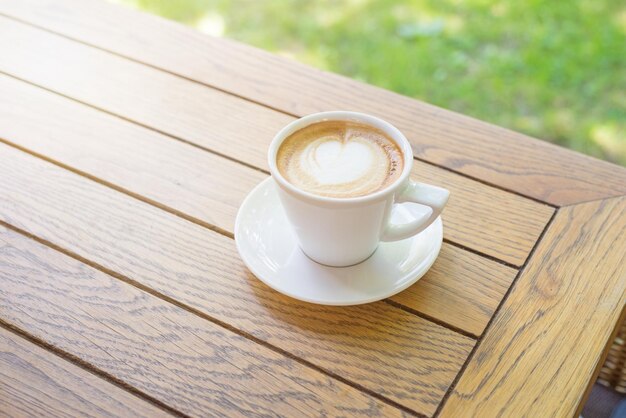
{"x": 555, "y": 70}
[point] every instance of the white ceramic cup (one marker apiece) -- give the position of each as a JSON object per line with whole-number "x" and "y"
{"x": 345, "y": 231}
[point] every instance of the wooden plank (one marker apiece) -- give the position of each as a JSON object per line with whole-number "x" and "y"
{"x": 184, "y": 361}
{"x": 492, "y": 154}
{"x": 208, "y": 190}
{"x": 489, "y": 220}
{"x": 542, "y": 349}
{"x": 35, "y": 382}
{"x": 461, "y": 289}
{"x": 382, "y": 348}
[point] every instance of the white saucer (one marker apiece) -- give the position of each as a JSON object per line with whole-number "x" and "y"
{"x": 269, "y": 249}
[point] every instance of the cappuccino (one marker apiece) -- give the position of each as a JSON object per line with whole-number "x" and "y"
{"x": 340, "y": 159}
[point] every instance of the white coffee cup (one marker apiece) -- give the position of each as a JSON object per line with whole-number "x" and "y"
{"x": 345, "y": 231}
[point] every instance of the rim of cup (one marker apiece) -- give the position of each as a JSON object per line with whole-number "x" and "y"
{"x": 340, "y": 115}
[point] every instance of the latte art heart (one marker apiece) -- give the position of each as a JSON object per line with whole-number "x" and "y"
{"x": 330, "y": 161}
{"x": 339, "y": 159}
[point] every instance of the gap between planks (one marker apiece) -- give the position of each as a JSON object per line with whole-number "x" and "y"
{"x": 602, "y": 360}
{"x": 88, "y": 367}
{"x": 431, "y": 319}
{"x": 495, "y": 314}
{"x": 482, "y": 254}
{"x": 214, "y": 87}
{"x": 193, "y": 311}
{"x": 593, "y": 200}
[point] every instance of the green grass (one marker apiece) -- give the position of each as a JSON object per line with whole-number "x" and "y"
{"x": 555, "y": 69}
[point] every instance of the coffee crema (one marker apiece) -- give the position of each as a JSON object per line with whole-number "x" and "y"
{"x": 340, "y": 159}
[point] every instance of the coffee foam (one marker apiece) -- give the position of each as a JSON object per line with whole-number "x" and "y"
{"x": 339, "y": 159}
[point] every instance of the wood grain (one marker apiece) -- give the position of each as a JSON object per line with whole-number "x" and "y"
{"x": 488, "y": 220}
{"x": 35, "y": 382}
{"x": 461, "y": 289}
{"x": 382, "y": 348}
{"x": 543, "y": 347}
{"x": 492, "y": 154}
{"x": 190, "y": 364}
{"x": 208, "y": 190}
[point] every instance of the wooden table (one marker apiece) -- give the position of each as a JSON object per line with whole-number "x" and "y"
{"x": 128, "y": 143}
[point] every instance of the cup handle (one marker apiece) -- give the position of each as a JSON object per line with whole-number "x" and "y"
{"x": 424, "y": 194}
